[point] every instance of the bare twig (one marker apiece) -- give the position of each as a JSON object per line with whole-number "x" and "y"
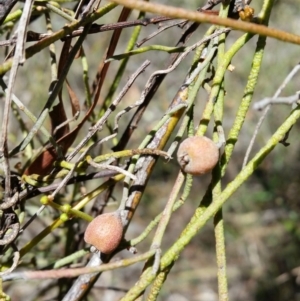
{"x": 266, "y": 110}
{"x": 279, "y": 100}
{"x": 112, "y": 167}
{"x": 154, "y": 34}
{"x": 19, "y": 59}
{"x": 288, "y": 100}
{"x": 70, "y": 273}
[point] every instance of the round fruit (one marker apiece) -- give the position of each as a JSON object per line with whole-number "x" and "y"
{"x": 105, "y": 232}
{"x": 197, "y": 155}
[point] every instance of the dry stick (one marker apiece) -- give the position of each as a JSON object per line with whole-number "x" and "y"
{"x": 111, "y": 167}
{"x": 267, "y": 108}
{"x": 70, "y": 273}
{"x": 274, "y": 100}
{"x": 288, "y": 100}
{"x": 87, "y": 9}
{"x": 165, "y": 218}
{"x": 174, "y": 65}
{"x": 19, "y": 59}
{"x": 119, "y": 73}
{"x": 154, "y": 34}
{"x": 69, "y": 120}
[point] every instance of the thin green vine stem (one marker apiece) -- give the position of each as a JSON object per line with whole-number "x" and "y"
{"x": 162, "y": 48}
{"x": 85, "y": 69}
{"x": 248, "y": 92}
{"x": 218, "y": 79}
{"x": 216, "y": 175}
{"x": 218, "y": 218}
{"x": 16, "y": 15}
{"x": 66, "y": 208}
{"x": 57, "y": 10}
{"x": 201, "y": 217}
{"x": 157, "y": 284}
{"x": 70, "y": 258}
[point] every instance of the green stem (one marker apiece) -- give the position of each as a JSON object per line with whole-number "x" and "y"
{"x": 146, "y": 49}
{"x": 217, "y": 81}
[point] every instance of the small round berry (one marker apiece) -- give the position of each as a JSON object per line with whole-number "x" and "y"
{"x": 197, "y": 155}
{"x": 105, "y": 232}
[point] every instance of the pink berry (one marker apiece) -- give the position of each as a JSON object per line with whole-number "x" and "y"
{"x": 105, "y": 232}
{"x": 197, "y": 155}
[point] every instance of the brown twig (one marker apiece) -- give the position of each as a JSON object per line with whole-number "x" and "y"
{"x": 95, "y": 28}
{"x": 70, "y": 273}
{"x": 160, "y": 30}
